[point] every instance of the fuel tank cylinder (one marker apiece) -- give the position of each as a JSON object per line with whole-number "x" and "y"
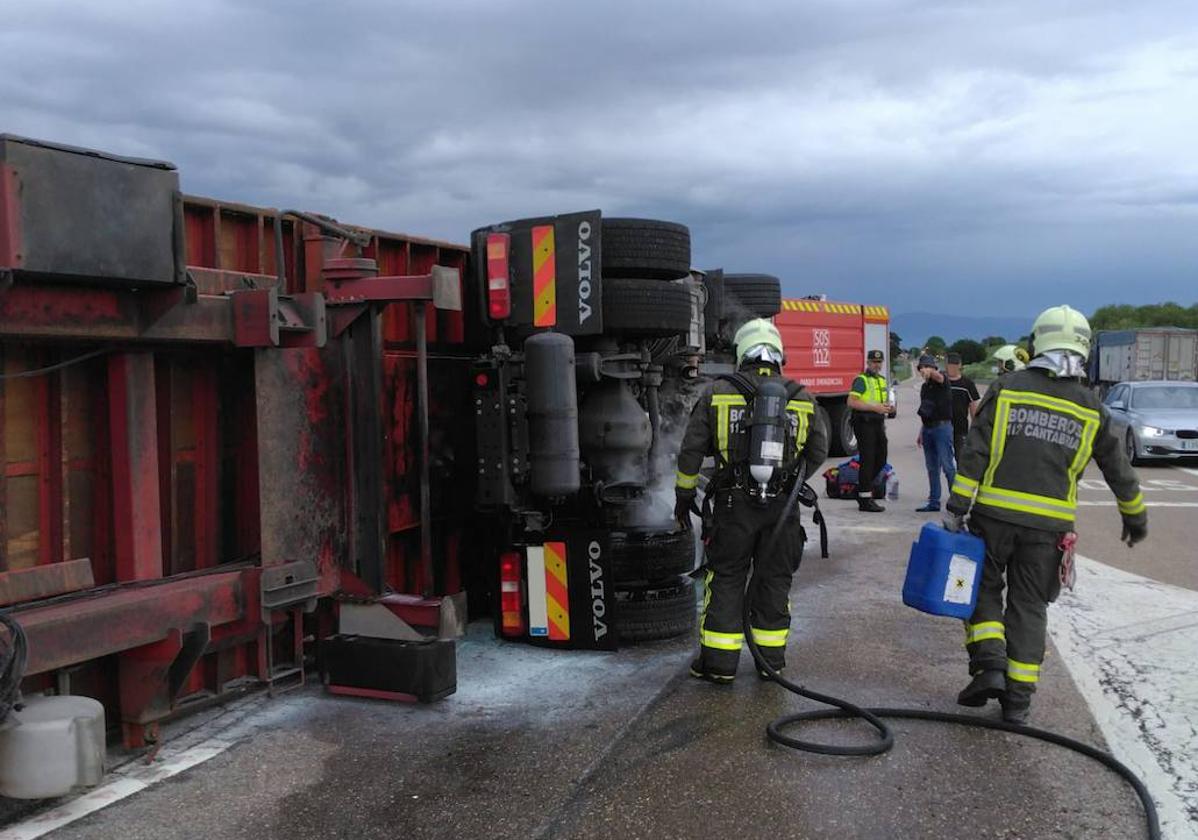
{"x": 552, "y": 414}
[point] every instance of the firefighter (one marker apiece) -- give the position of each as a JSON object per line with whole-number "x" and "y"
{"x": 1009, "y": 358}
{"x": 755, "y": 409}
{"x": 869, "y": 398}
{"x": 1035, "y": 431}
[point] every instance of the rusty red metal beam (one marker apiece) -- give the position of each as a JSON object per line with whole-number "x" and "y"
{"x": 127, "y": 617}
{"x": 86, "y": 314}
{"x": 133, "y": 437}
{"x": 45, "y": 581}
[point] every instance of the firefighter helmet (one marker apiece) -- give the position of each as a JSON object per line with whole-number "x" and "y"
{"x": 1010, "y": 357}
{"x": 759, "y": 333}
{"x": 1062, "y": 328}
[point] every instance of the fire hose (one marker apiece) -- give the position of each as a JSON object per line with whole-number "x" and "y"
{"x": 875, "y": 716}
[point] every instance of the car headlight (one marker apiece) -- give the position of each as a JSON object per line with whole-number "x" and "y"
{"x": 1153, "y": 431}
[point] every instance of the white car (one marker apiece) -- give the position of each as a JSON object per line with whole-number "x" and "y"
{"x": 1155, "y": 419}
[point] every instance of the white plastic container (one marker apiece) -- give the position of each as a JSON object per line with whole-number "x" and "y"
{"x": 51, "y": 746}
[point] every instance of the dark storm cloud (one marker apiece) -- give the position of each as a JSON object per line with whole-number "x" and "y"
{"x": 898, "y": 152}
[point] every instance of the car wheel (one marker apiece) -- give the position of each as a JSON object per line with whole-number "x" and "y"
{"x": 1131, "y": 448}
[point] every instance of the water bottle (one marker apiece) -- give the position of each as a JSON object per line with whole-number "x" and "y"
{"x": 892, "y": 486}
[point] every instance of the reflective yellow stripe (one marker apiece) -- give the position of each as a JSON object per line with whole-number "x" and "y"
{"x": 963, "y": 486}
{"x": 1045, "y": 401}
{"x": 804, "y": 410}
{"x": 770, "y": 638}
{"x": 988, "y": 496}
{"x": 1025, "y": 672}
{"x": 722, "y": 404}
{"x": 1019, "y": 495}
{"x": 1134, "y": 506}
{"x": 722, "y": 641}
{"x": 686, "y": 482}
{"x": 984, "y": 630}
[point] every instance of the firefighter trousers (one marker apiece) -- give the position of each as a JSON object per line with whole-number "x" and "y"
{"x": 1026, "y": 562}
{"x": 872, "y": 451}
{"x": 740, "y": 537}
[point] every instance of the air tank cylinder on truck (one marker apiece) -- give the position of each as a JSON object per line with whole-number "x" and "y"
{"x": 552, "y": 414}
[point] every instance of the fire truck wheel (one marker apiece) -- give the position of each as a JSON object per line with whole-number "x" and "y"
{"x": 655, "y": 610}
{"x": 645, "y": 248}
{"x": 757, "y": 295}
{"x": 640, "y": 556}
{"x": 842, "y": 440}
{"x": 648, "y": 308}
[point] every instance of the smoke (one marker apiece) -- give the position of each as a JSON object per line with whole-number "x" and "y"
{"x": 677, "y": 397}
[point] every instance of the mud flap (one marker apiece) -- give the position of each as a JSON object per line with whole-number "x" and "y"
{"x": 571, "y": 596}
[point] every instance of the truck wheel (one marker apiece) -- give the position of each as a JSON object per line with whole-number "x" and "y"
{"x": 645, "y": 248}
{"x": 842, "y": 440}
{"x": 655, "y": 610}
{"x": 645, "y": 307}
{"x": 714, "y": 309}
{"x": 642, "y": 556}
{"x": 758, "y": 295}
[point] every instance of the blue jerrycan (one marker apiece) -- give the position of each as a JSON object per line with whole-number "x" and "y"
{"x": 944, "y": 572}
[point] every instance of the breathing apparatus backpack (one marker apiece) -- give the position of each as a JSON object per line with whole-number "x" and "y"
{"x": 764, "y": 454}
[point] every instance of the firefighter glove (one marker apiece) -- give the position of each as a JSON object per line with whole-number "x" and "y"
{"x": 684, "y": 503}
{"x": 954, "y": 522}
{"x": 957, "y": 507}
{"x": 1133, "y": 531}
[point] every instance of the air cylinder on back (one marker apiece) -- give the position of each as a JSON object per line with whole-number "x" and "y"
{"x": 552, "y": 414}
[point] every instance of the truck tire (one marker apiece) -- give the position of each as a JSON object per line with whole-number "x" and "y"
{"x": 641, "y": 307}
{"x": 656, "y": 610}
{"x": 644, "y": 556}
{"x": 713, "y": 310}
{"x": 645, "y": 248}
{"x": 751, "y": 295}
{"x": 842, "y": 440}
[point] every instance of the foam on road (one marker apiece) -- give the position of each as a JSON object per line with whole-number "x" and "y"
{"x": 1129, "y": 643}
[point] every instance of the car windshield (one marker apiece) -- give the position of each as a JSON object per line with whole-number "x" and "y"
{"x": 1165, "y": 396}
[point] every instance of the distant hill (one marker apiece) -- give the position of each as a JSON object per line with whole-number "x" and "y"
{"x": 918, "y": 327}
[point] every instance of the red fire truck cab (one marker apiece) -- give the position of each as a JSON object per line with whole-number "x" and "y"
{"x": 826, "y": 342}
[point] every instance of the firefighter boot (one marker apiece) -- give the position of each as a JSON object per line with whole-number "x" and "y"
{"x": 985, "y": 686}
{"x": 1016, "y": 704}
{"x": 702, "y": 671}
{"x": 867, "y": 504}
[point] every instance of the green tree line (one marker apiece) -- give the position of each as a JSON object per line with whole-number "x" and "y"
{"x": 1126, "y": 317}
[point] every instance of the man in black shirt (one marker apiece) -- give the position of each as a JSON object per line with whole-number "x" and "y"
{"x": 965, "y": 401}
{"x": 936, "y": 436}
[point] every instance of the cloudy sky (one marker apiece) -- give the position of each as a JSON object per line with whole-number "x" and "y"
{"x": 975, "y": 156}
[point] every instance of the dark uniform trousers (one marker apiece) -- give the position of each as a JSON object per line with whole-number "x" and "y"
{"x": 1012, "y": 639}
{"x": 871, "y": 449}
{"x": 742, "y": 533}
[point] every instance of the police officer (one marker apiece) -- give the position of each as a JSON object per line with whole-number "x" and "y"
{"x": 1035, "y": 431}
{"x": 744, "y": 508}
{"x": 869, "y": 398}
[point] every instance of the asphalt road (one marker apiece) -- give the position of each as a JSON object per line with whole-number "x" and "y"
{"x": 550, "y": 744}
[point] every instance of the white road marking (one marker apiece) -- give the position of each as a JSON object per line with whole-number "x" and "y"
{"x": 175, "y": 757}
{"x": 1190, "y": 470}
{"x": 1128, "y": 642}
